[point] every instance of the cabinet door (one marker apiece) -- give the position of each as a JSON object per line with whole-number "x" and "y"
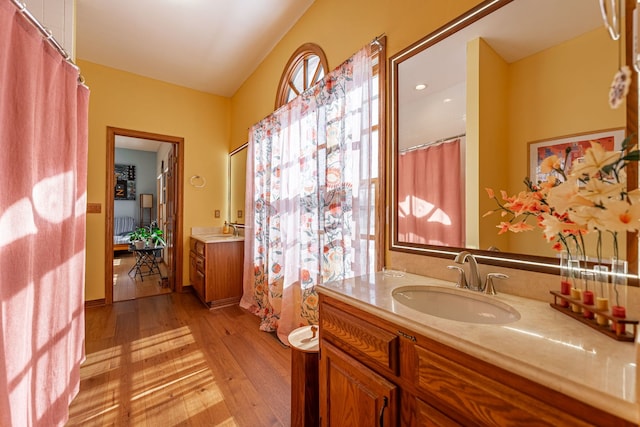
{"x": 428, "y": 416}
{"x": 196, "y": 275}
{"x": 192, "y": 267}
{"x": 224, "y": 263}
{"x": 352, "y": 394}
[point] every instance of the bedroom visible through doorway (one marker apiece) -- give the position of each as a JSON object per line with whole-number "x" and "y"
{"x": 144, "y": 179}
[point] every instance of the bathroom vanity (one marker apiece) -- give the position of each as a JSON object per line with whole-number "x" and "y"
{"x": 215, "y": 268}
{"x": 384, "y": 363}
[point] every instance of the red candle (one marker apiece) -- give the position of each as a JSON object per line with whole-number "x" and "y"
{"x": 565, "y": 289}
{"x": 587, "y": 298}
{"x": 619, "y": 312}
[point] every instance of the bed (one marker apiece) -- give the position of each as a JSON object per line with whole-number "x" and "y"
{"x": 122, "y": 226}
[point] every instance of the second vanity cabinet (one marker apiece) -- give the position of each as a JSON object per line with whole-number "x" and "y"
{"x": 374, "y": 372}
{"x": 215, "y": 271}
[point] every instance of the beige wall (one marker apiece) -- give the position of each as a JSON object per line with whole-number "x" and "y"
{"x": 129, "y": 101}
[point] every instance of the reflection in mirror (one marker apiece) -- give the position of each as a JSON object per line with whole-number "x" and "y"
{"x": 237, "y": 184}
{"x": 467, "y": 102}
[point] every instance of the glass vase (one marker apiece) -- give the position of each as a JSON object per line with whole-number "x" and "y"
{"x": 602, "y": 292}
{"x": 588, "y": 282}
{"x": 618, "y": 293}
{"x": 576, "y": 284}
{"x": 565, "y": 277}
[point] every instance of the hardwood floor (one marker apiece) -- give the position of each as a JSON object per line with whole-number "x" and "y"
{"x": 168, "y": 361}
{"x": 127, "y": 287}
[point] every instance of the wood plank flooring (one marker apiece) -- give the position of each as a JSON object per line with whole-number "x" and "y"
{"x": 127, "y": 287}
{"x": 168, "y": 361}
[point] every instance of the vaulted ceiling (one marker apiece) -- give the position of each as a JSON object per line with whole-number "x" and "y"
{"x": 208, "y": 45}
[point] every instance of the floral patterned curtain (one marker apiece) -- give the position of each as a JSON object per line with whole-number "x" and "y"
{"x": 309, "y": 197}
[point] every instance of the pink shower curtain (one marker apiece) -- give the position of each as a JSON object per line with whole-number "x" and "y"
{"x": 431, "y": 196}
{"x": 43, "y": 170}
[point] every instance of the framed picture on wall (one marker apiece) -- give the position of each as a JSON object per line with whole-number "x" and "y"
{"x": 125, "y": 179}
{"x": 539, "y": 150}
{"x": 121, "y": 190}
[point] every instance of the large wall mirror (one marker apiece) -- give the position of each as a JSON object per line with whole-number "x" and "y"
{"x": 481, "y": 91}
{"x": 237, "y": 184}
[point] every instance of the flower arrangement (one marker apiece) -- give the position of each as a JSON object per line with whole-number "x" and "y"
{"x": 590, "y": 196}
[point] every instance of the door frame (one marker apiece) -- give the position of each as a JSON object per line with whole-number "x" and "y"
{"x": 112, "y": 132}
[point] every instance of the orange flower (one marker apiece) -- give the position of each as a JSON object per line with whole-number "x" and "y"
{"x": 305, "y": 275}
{"x": 490, "y": 192}
{"x": 591, "y": 196}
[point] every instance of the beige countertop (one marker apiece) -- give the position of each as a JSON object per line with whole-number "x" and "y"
{"x": 217, "y": 238}
{"x": 544, "y": 345}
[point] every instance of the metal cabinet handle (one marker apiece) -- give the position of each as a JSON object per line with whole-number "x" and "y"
{"x": 385, "y": 402}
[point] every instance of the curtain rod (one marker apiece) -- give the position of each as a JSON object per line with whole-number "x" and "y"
{"x": 47, "y": 34}
{"x": 427, "y": 144}
{"x": 376, "y": 40}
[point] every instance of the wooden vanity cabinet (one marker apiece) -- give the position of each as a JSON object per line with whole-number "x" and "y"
{"x": 366, "y": 398}
{"x": 364, "y": 358}
{"x": 215, "y": 271}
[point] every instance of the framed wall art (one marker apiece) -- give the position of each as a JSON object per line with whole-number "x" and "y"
{"x": 539, "y": 150}
{"x": 125, "y": 179}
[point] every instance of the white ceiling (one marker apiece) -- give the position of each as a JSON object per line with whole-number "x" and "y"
{"x": 208, "y": 45}
{"x": 517, "y": 30}
{"x": 137, "y": 143}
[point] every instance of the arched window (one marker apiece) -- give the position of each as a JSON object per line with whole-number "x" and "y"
{"x": 307, "y": 65}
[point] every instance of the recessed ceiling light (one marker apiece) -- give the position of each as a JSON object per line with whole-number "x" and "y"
{"x": 421, "y": 86}
{"x": 446, "y": 100}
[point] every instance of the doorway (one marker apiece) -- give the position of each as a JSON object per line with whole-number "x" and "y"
{"x": 156, "y": 197}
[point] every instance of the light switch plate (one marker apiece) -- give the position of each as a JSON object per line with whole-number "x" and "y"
{"x": 217, "y": 213}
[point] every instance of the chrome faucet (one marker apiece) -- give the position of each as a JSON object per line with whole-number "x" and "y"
{"x": 473, "y": 282}
{"x": 462, "y": 280}
{"x": 236, "y": 232}
{"x": 489, "y": 289}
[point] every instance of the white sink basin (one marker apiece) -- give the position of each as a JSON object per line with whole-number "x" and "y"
{"x": 456, "y": 304}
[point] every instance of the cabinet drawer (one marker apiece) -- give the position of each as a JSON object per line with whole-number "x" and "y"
{"x": 353, "y": 333}
{"x": 477, "y": 399}
{"x": 199, "y": 264}
{"x": 197, "y": 246}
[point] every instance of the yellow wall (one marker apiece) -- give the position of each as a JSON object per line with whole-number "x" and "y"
{"x": 341, "y": 28}
{"x": 571, "y": 71}
{"x": 129, "y": 101}
{"x": 493, "y": 74}
{"x": 211, "y": 125}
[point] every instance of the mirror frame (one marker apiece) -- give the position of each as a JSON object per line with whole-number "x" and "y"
{"x": 231, "y": 154}
{"x": 510, "y": 260}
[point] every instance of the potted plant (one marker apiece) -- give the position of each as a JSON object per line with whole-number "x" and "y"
{"x": 139, "y": 237}
{"x": 156, "y": 235}
{"x": 147, "y": 237}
